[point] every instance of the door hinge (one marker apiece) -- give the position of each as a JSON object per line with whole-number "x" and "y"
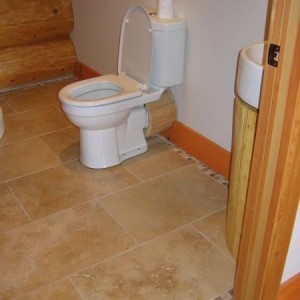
{"x": 273, "y": 55}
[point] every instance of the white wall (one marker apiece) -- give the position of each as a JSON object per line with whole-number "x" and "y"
{"x": 217, "y": 29}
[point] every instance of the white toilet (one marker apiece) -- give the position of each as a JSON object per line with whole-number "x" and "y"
{"x": 109, "y": 110}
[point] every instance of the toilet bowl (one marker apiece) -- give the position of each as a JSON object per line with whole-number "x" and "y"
{"x": 111, "y": 126}
{"x": 110, "y": 110}
{"x": 2, "y": 127}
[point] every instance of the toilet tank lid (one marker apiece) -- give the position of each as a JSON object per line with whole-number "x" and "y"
{"x": 135, "y": 51}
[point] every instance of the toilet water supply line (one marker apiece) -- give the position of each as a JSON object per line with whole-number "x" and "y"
{"x": 165, "y": 9}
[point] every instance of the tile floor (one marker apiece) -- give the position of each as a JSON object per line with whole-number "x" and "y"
{"x": 151, "y": 228}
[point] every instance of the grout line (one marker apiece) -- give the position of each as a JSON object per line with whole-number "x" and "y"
{"x": 62, "y": 112}
{"x": 209, "y": 214}
{"x": 32, "y": 173}
{"x": 130, "y": 172}
{"x": 214, "y": 244}
{"x": 130, "y": 249}
{"x": 19, "y": 202}
{"x": 35, "y": 137}
{"x": 136, "y": 184}
{"x": 60, "y": 162}
{"x": 75, "y": 287}
{"x": 9, "y": 105}
{"x": 16, "y": 113}
{"x": 166, "y": 173}
{"x": 119, "y": 224}
{"x": 52, "y": 151}
{"x": 57, "y": 280}
{"x": 90, "y": 201}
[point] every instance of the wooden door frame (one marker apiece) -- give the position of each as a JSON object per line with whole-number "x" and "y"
{"x": 274, "y": 192}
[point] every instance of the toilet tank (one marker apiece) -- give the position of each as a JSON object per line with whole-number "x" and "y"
{"x": 168, "y": 51}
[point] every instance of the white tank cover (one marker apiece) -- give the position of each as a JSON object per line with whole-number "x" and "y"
{"x": 135, "y": 52}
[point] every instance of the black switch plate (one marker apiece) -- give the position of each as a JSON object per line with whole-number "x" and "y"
{"x": 273, "y": 55}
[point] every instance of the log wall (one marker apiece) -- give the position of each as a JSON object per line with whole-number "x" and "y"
{"x": 34, "y": 41}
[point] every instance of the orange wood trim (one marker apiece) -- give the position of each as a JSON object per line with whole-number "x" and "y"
{"x": 200, "y": 147}
{"x": 273, "y": 192}
{"x": 83, "y": 71}
{"x": 290, "y": 289}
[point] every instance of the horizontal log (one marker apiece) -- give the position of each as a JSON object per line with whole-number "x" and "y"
{"x": 161, "y": 114}
{"x": 36, "y": 62}
{"x": 27, "y": 21}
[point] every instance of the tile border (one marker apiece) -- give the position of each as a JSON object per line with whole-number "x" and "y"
{"x": 200, "y": 165}
{"x": 200, "y": 147}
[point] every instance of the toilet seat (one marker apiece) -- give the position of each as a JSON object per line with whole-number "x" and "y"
{"x": 126, "y": 94}
{"x": 100, "y": 90}
{"x": 134, "y": 68}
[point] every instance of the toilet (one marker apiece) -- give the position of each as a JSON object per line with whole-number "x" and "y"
{"x": 110, "y": 110}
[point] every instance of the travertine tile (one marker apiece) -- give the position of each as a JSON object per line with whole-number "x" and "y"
{"x": 40, "y": 252}
{"x": 156, "y": 164}
{"x": 165, "y": 203}
{"x": 11, "y": 213}
{"x": 213, "y": 227}
{"x": 25, "y": 157}
{"x": 64, "y": 143}
{"x": 66, "y": 186}
{"x": 36, "y": 256}
{"x": 33, "y": 123}
{"x": 6, "y": 108}
{"x": 37, "y": 97}
{"x": 60, "y": 290}
{"x": 180, "y": 265}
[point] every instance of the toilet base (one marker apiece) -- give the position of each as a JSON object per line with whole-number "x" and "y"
{"x": 109, "y": 147}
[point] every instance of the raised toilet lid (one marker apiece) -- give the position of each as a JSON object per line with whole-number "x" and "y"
{"x": 135, "y": 53}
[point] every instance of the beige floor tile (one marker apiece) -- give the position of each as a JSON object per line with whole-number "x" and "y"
{"x": 38, "y": 253}
{"x": 33, "y": 123}
{"x": 60, "y": 290}
{"x": 67, "y": 185}
{"x": 213, "y": 227}
{"x": 11, "y": 213}
{"x": 180, "y": 265}
{"x": 37, "y": 97}
{"x": 156, "y": 164}
{"x": 6, "y": 108}
{"x": 64, "y": 143}
{"x": 25, "y": 157}
{"x": 167, "y": 202}
{"x": 155, "y": 147}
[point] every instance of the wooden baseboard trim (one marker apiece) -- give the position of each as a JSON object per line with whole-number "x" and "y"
{"x": 290, "y": 289}
{"x": 200, "y": 147}
{"x": 83, "y": 71}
